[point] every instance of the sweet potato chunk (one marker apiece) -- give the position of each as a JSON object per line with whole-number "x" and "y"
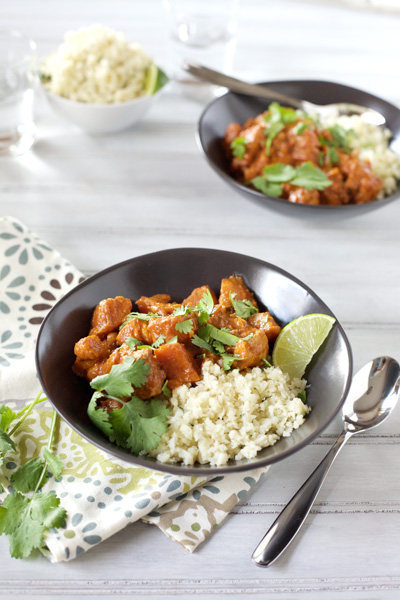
{"x": 109, "y": 314}
{"x": 252, "y": 351}
{"x": 197, "y": 295}
{"x": 267, "y": 323}
{"x": 159, "y": 304}
{"x": 136, "y": 328}
{"x": 167, "y": 326}
{"x": 178, "y": 364}
{"x": 234, "y": 285}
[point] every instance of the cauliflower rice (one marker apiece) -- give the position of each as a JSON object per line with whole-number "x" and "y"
{"x": 373, "y": 145}
{"x": 231, "y": 415}
{"x": 97, "y": 65}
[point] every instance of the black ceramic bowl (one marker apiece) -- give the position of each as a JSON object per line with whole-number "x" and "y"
{"x": 238, "y": 108}
{"x": 177, "y": 272}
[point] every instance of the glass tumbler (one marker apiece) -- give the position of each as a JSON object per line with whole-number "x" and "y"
{"x": 17, "y": 78}
{"x": 202, "y": 31}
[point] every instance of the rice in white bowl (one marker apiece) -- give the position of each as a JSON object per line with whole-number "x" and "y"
{"x": 372, "y": 142}
{"x": 96, "y": 65}
{"x": 231, "y": 415}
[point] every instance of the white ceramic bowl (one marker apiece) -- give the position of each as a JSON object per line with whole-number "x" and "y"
{"x": 101, "y": 118}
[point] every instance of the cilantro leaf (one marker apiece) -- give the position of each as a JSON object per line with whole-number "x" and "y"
{"x": 54, "y": 463}
{"x": 6, "y": 417}
{"x": 300, "y": 128}
{"x": 201, "y": 343}
{"x": 45, "y": 508}
{"x": 227, "y": 361}
{"x": 100, "y": 417}
{"x": 181, "y": 311}
{"x": 266, "y": 362}
{"x": 11, "y": 511}
{"x": 281, "y": 113}
{"x": 206, "y": 303}
{"x": 279, "y": 173}
{"x": 321, "y": 159}
{"x": 243, "y": 308}
{"x": 6, "y": 443}
{"x": 271, "y": 134}
{"x": 332, "y": 154}
{"x": 303, "y": 396}
{"x": 159, "y": 341}
{"x": 185, "y": 326}
{"x": 139, "y": 425}
{"x": 270, "y": 189}
{"x": 166, "y": 390}
{"x": 225, "y": 337}
{"x": 27, "y": 476}
{"x": 26, "y": 537}
{"x": 132, "y": 343}
{"x": 140, "y": 316}
{"x": 173, "y": 340}
{"x": 122, "y": 378}
{"x": 238, "y": 147}
{"x": 310, "y": 177}
{"x": 340, "y": 137}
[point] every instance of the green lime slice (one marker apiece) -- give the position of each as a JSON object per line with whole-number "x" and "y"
{"x": 299, "y": 341}
{"x": 155, "y": 80}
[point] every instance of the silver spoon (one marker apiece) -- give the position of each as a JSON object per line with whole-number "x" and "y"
{"x": 242, "y": 87}
{"x": 373, "y": 395}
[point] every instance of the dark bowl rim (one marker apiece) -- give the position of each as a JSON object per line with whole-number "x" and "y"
{"x": 282, "y": 201}
{"x": 188, "y": 470}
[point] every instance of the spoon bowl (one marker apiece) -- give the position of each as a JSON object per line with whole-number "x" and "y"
{"x": 372, "y": 397}
{"x": 369, "y": 115}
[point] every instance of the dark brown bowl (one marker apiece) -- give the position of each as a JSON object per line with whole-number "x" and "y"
{"x": 177, "y": 272}
{"x": 238, "y": 108}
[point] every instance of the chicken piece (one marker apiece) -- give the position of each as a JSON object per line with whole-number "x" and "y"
{"x": 336, "y": 193}
{"x": 255, "y": 169}
{"x": 267, "y": 323}
{"x": 304, "y": 147}
{"x": 223, "y": 318}
{"x": 300, "y": 195}
{"x": 231, "y": 133}
{"x": 362, "y": 185}
{"x": 136, "y": 328}
{"x": 158, "y": 304}
{"x": 251, "y": 351}
{"x": 234, "y": 285}
{"x": 178, "y": 363}
{"x": 109, "y": 314}
{"x": 111, "y": 340}
{"x": 167, "y": 326}
{"x": 197, "y": 295}
{"x": 109, "y": 404}
{"x": 89, "y": 351}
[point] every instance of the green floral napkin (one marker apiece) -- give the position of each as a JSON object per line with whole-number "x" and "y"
{"x": 101, "y": 494}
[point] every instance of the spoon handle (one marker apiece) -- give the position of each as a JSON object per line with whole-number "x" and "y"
{"x": 236, "y": 85}
{"x": 289, "y": 521}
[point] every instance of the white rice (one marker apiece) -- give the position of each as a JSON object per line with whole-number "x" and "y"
{"x": 373, "y": 145}
{"x": 98, "y": 65}
{"x": 231, "y": 415}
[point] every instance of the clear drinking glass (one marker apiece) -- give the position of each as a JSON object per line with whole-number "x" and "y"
{"x": 17, "y": 76}
{"x": 203, "y": 31}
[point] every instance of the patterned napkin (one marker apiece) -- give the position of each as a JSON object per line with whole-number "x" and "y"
{"x": 101, "y": 494}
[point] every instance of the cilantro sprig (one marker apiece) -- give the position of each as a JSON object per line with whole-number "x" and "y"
{"x": 137, "y": 425}
{"x": 25, "y": 519}
{"x": 306, "y": 175}
{"x": 243, "y": 308}
{"x": 277, "y": 117}
{"x": 238, "y": 147}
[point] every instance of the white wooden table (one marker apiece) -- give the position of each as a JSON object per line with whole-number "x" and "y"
{"x": 100, "y": 201}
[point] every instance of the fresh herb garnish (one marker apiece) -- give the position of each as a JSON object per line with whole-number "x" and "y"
{"x": 266, "y": 362}
{"x": 306, "y": 175}
{"x": 166, "y": 390}
{"x": 278, "y": 116}
{"x": 173, "y": 340}
{"x": 139, "y": 315}
{"x": 184, "y": 326}
{"x": 238, "y": 147}
{"x": 159, "y": 341}
{"x": 122, "y": 378}
{"x": 243, "y": 308}
{"x": 300, "y": 128}
{"x": 303, "y": 396}
{"x": 23, "y": 519}
{"x": 181, "y": 310}
{"x": 332, "y": 154}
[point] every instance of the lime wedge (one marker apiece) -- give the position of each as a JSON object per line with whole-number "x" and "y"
{"x": 155, "y": 80}
{"x": 299, "y": 341}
